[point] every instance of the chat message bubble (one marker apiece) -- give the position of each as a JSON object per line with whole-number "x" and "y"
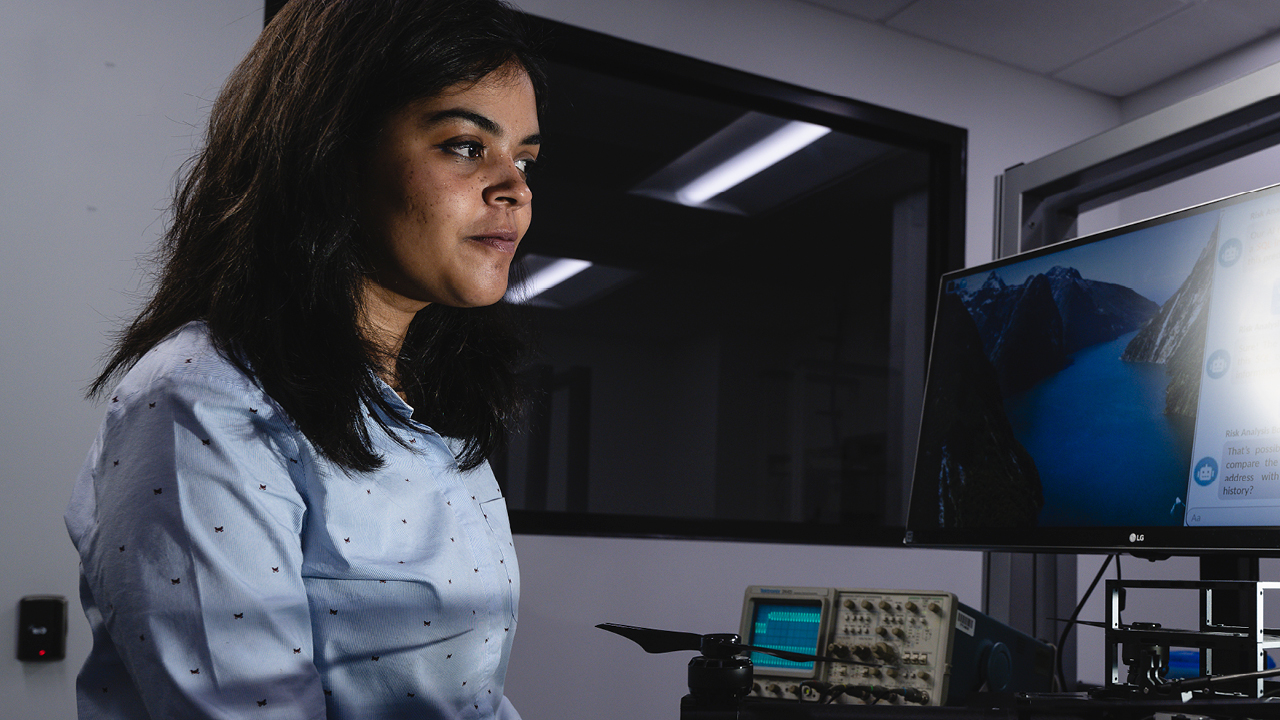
{"x": 1250, "y": 470}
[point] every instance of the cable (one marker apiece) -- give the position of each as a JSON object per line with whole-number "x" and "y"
{"x": 1206, "y": 681}
{"x": 1062, "y": 640}
{"x": 825, "y": 691}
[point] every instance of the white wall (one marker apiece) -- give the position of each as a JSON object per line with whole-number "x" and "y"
{"x": 99, "y": 100}
{"x": 1236, "y": 64}
{"x": 102, "y": 100}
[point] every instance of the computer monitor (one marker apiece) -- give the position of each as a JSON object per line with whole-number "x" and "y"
{"x": 1116, "y": 392}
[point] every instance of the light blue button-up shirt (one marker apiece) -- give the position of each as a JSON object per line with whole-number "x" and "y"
{"x": 230, "y": 571}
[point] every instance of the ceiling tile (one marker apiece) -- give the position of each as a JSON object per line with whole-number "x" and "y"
{"x": 1182, "y": 41}
{"x": 1115, "y": 47}
{"x": 1038, "y": 36}
{"x": 1263, "y": 12}
{"x": 875, "y": 10}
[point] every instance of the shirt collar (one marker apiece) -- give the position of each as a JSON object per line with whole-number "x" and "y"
{"x": 395, "y": 401}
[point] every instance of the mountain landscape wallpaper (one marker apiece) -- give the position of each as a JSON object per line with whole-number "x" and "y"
{"x": 1063, "y": 389}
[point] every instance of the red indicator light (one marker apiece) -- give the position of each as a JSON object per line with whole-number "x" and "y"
{"x": 41, "y": 652}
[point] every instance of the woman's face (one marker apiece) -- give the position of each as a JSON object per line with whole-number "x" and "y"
{"x": 445, "y": 198}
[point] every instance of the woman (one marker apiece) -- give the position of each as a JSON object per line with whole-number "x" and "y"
{"x": 287, "y": 512}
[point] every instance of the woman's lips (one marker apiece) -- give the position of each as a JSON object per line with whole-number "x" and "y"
{"x": 502, "y": 240}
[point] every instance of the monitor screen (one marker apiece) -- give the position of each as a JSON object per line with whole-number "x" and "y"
{"x": 795, "y": 626}
{"x": 1118, "y": 391}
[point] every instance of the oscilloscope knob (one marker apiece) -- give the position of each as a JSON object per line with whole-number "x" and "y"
{"x": 866, "y": 605}
{"x": 899, "y": 633}
{"x": 849, "y": 605}
{"x": 911, "y": 606}
{"x": 840, "y": 651}
{"x": 884, "y": 651}
{"x": 934, "y": 607}
{"x": 886, "y": 605}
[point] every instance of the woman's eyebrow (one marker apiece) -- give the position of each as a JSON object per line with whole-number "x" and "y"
{"x": 480, "y": 121}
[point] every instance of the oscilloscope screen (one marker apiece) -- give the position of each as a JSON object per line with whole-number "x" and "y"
{"x": 794, "y": 626}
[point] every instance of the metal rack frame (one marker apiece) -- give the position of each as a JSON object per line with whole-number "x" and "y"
{"x": 1224, "y": 648}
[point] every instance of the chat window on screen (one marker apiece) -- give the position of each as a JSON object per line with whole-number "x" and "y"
{"x": 1235, "y": 468}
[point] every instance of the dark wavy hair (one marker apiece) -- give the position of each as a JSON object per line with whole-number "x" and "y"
{"x": 265, "y": 244}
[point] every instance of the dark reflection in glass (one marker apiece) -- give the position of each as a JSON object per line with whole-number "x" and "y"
{"x": 748, "y": 367}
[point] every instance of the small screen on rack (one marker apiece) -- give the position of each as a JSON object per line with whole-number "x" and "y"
{"x": 785, "y": 626}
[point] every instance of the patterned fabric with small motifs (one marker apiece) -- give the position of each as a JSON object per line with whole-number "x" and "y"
{"x": 230, "y": 571}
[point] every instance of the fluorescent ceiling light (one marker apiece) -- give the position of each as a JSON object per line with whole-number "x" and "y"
{"x": 781, "y": 144}
{"x": 548, "y": 277}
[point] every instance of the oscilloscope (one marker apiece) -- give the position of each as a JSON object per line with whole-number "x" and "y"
{"x": 920, "y": 647}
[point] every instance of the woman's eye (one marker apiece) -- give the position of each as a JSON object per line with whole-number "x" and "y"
{"x": 469, "y": 150}
{"x": 526, "y": 164}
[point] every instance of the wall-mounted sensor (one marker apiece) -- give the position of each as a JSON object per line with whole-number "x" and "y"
{"x": 42, "y": 628}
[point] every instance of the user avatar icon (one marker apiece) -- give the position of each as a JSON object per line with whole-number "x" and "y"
{"x": 1230, "y": 252}
{"x": 1218, "y": 364}
{"x": 1206, "y": 471}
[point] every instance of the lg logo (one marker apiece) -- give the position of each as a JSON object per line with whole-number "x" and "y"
{"x": 1135, "y": 537}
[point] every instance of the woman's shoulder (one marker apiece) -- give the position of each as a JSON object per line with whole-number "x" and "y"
{"x": 186, "y": 361}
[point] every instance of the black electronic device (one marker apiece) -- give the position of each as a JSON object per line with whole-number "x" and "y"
{"x": 826, "y": 646}
{"x": 1117, "y": 392}
{"x": 42, "y": 628}
{"x": 1230, "y": 644}
{"x": 721, "y": 674}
